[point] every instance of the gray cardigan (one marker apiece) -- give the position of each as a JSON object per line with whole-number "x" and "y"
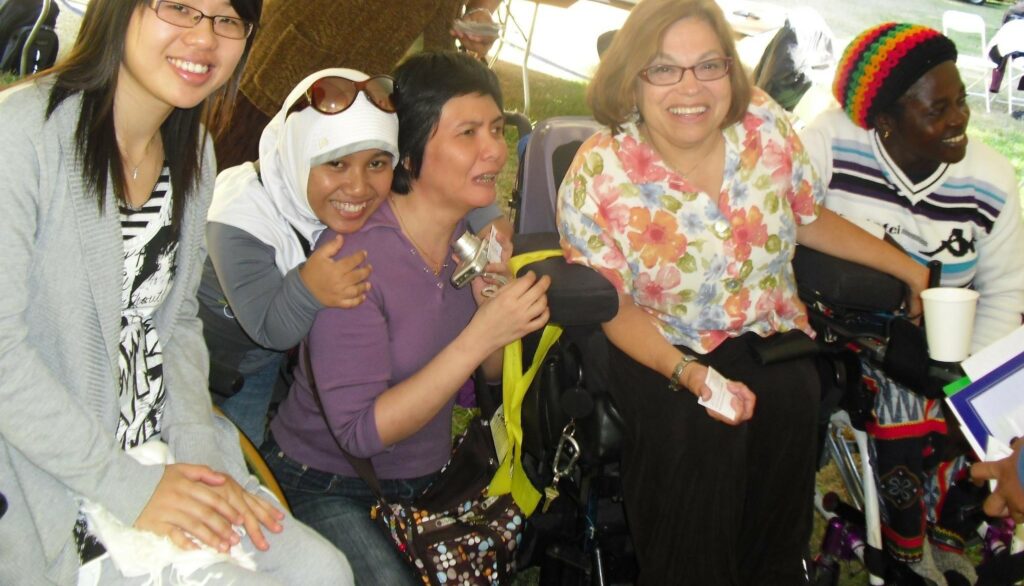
{"x": 61, "y": 261}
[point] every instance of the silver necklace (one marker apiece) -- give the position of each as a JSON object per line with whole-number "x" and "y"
{"x": 419, "y": 249}
{"x": 135, "y": 167}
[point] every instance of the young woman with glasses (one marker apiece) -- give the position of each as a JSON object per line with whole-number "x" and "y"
{"x": 107, "y": 176}
{"x": 388, "y": 370}
{"x": 326, "y": 162}
{"x": 691, "y": 203}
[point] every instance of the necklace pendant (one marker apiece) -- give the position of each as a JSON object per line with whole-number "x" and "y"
{"x": 135, "y": 173}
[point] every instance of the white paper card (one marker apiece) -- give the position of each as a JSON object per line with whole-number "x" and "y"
{"x": 499, "y": 433}
{"x": 494, "y": 248}
{"x": 992, "y": 356}
{"x": 721, "y": 397}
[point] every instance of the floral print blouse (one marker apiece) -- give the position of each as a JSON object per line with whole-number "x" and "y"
{"x": 705, "y": 267}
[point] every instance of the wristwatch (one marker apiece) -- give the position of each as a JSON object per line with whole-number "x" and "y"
{"x": 673, "y": 381}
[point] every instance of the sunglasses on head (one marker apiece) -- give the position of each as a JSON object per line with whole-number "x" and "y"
{"x": 335, "y": 94}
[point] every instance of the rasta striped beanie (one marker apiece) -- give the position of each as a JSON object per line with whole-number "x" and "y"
{"x": 881, "y": 64}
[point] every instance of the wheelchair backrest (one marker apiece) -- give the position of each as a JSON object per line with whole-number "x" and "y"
{"x": 579, "y": 299}
{"x": 549, "y": 152}
{"x": 18, "y": 23}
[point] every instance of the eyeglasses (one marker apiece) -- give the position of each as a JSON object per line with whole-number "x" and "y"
{"x": 185, "y": 16}
{"x": 335, "y": 94}
{"x": 709, "y": 70}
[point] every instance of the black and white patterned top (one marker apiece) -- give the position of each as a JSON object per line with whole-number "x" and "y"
{"x": 150, "y": 249}
{"x": 149, "y": 254}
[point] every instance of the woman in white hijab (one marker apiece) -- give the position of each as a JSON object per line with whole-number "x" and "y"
{"x": 326, "y": 161}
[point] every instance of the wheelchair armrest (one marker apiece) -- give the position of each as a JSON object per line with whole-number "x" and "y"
{"x": 845, "y": 285}
{"x": 578, "y": 295}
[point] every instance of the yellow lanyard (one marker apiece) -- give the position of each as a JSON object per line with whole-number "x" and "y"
{"x": 510, "y": 476}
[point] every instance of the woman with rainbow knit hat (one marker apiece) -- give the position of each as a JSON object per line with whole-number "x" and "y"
{"x": 897, "y": 161}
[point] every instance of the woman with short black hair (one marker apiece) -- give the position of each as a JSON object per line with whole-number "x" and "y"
{"x": 389, "y": 369}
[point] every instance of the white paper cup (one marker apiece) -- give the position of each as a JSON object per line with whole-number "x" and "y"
{"x": 949, "y": 322}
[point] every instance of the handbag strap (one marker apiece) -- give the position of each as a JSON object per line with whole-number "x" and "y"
{"x": 362, "y": 466}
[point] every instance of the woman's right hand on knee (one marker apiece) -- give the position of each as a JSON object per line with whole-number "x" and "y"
{"x": 184, "y": 505}
{"x": 336, "y": 283}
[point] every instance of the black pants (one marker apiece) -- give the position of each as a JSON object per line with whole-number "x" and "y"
{"x": 711, "y": 504}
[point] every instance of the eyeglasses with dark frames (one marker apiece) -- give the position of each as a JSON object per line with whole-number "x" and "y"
{"x": 185, "y": 16}
{"x": 335, "y": 94}
{"x": 665, "y": 74}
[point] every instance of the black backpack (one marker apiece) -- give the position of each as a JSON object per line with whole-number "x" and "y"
{"x": 17, "y": 19}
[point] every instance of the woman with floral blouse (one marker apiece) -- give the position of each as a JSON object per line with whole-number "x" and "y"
{"x": 691, "y": 202}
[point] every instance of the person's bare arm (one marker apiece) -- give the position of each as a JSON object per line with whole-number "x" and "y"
{"x": 834, "y": 235}
{"x": 518, "y": 309}
{"x": 633, "y": 332}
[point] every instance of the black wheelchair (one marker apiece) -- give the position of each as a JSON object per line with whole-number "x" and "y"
{"x": 572, "y": 431}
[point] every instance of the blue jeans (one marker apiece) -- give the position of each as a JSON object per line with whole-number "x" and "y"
{"x": 338, "y": 507}
{"x": 248, "y": 407}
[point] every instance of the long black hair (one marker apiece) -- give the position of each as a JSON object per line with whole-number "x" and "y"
{"x": 92, "y": 68}
{"x": 423, "y": 85}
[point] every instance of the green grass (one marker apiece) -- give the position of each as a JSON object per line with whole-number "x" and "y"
{"x": 1001, "y": 132}
{"x": 549, "y": 97}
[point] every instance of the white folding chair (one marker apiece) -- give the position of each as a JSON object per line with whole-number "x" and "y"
{"x": 1014, "y": 73}
{"x": 1009, "y": 42}
{"x": 976, "y": 68}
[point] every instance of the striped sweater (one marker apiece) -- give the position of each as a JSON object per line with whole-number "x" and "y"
{"x": 966, "y": 215}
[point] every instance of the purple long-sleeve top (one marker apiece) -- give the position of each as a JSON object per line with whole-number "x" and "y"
{"x": 356, "y": 354}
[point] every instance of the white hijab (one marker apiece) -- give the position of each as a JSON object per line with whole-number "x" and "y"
{"x": 290, "y": 145}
